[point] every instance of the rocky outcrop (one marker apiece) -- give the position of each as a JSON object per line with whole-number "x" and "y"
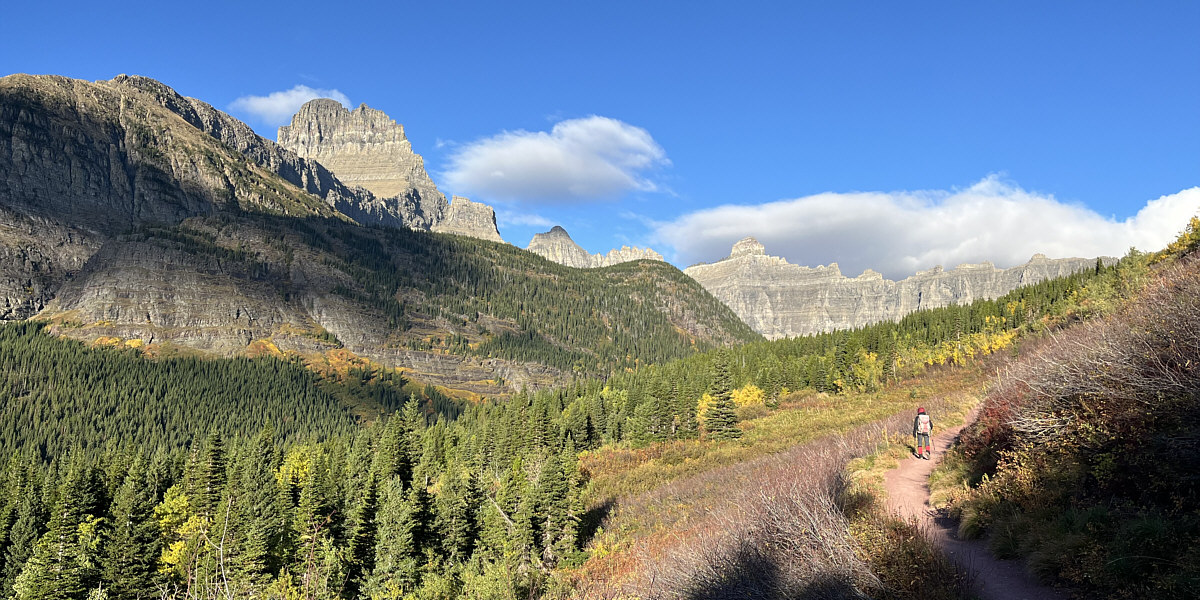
{"x": 778, "y": 299}
{"x": 557, "y": 245}
{"x": 473, "y": 219}
{"x": 365, "y": 147}
{"x": 308, "y": 175}
{"x": 130, "y": 212}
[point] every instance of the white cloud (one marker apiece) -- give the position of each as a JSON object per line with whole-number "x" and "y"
{"x": 592, "y": 158}
{"x": 507, "y": 217}
{"x": 277, "y": 108}
{"x": 898, "y": 233}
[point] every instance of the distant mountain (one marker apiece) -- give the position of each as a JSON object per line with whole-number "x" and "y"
{"x": 129, "y": 213}
{"x": 778, "y": 299}
{"x": 367, "y": 148}
{"x": 557, "y": 245}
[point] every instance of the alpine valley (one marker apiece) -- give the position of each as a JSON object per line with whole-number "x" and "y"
{"x": 240, "y": 368}
{"x": 133, "y": 215}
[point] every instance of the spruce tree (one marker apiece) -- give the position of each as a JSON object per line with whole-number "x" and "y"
{"x": 263, "y": 517}
{"x": 25, "y": 532}
{"x": 63, "y": 564}
{"x": 553, "y": 510}
{"x": 457, "y": 508}
{"x": 397, "y": 566}
{"x": 133, "y": 543}
{"x": 721, "y": 420}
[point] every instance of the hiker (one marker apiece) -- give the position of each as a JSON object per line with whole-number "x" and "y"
{"x": 922, "y": 427}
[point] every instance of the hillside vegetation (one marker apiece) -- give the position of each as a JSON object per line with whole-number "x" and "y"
{"x": 493, "y": 502}
{"x": 132, "y": 212}
{"x": 1085, "y": 460}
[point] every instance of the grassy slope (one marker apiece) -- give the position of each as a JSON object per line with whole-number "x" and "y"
{"x": 711, "y": 495}
{"x": 1085, "y": 461}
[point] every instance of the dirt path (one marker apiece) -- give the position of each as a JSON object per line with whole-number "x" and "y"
{"x": 908, "y": 494}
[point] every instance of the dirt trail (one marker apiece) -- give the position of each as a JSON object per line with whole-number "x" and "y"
{"x": 908, "y": 494}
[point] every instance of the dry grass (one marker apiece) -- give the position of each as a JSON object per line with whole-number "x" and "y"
{"x": 759, "y": 518}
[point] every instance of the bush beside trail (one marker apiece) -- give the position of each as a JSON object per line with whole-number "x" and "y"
{"x": 1087, "y": 452}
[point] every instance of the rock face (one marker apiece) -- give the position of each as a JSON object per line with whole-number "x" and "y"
{"x": 473, "y": 219}
{"x": 557, "y": 245}
{"x": 128, "y": 211}
{"x": 365, "y": 147}
{"x": 778, "y": 299}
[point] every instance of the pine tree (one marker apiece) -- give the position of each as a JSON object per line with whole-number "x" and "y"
{"x": 457, "y": 513}
{"x": 397, "y": 565}
{"x": 315, "y": 509}
{"x": 360, "y": 546}
{"x": 133, "y": 543}
{"x": 721, "y": 419}
{"x": 25, "y": 532}
{"x": 63, "y": 564}
{"x": 263, "y": 517}
{"x": 209, "y": 480}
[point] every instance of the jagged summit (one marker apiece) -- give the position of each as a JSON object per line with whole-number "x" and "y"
{"x": 557, "y": 245}
{"x": 366, "y": 147}
{"x": 747, "y": 246}
{"x": 474, "y": 219}
{"x": 778, "y": 299}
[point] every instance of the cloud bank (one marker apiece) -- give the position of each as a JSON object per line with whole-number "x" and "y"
{"x": 578, "y": 160}
{"x": 277, "y": 108}
{"x": 899, "y": 233}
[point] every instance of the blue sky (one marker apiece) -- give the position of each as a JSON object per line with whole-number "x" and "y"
{"x": 876, "y": 134}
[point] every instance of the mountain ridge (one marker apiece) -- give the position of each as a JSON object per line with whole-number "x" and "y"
{"x": 556, "y": 245}
{"x": 778, "y": 299}
{"x": 131, "y": 213}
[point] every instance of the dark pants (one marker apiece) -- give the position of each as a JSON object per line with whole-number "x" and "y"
{"x": 923, "y": 441}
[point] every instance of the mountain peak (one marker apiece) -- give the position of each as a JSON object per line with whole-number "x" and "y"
{"x": 747, "y": 246}
{"x": 366, "y": 147}
{"x": 557, "y": 245}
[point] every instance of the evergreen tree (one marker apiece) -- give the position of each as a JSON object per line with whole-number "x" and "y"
{"x": 25, "y": 532}
{"x": 721, "y": 420}
{"x": 208, "y": 485}
{"x": 64, "y": 561}
{"x": 360, "y": 550}
{"x": 263, "y": 518}
{"x": 457, "y": 514}
{"x": 554, "y": 518}
{"x": 397, "y": 553}
{"x": 132, "y": 545}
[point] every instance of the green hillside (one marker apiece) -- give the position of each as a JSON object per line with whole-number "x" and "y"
{"x": 1085, "y": 460}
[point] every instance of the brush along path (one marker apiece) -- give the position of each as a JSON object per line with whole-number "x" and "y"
{"x": 908, "y": 495}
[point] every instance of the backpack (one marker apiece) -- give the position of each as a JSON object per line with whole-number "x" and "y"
{"x": 924, "y": 424}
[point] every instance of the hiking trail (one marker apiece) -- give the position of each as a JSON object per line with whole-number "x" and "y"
{"x": 908, "y": 495}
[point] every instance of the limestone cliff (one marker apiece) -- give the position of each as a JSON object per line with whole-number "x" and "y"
{"x": 557, "y": 245}
{"x": 473, "y": 219}
{"x": 128, "y": 211}
{"x": 365, "y": 147}
{"x": 778, "y": 299}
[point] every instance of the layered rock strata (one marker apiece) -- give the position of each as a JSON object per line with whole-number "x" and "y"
{"x": 367, "y": 148}
{"x": 473, "y": 219}
{"x": 778, "y": 299}
{"x": 557, "y": 245}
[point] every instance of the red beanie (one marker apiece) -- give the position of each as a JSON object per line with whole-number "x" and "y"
{"x": 921, "y": 410}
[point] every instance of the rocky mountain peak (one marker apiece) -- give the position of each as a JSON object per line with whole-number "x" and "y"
{"x": 557, "y": 245}
{"x": 778, "y": 299}
{"x": 474, "y": 219}
{"x": 366, "y": 147}
{"x": 747, "y": 246}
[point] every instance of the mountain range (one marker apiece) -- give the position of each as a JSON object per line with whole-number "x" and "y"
{"x": 779, "y": 299}
{"x": 131, "y": 214}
